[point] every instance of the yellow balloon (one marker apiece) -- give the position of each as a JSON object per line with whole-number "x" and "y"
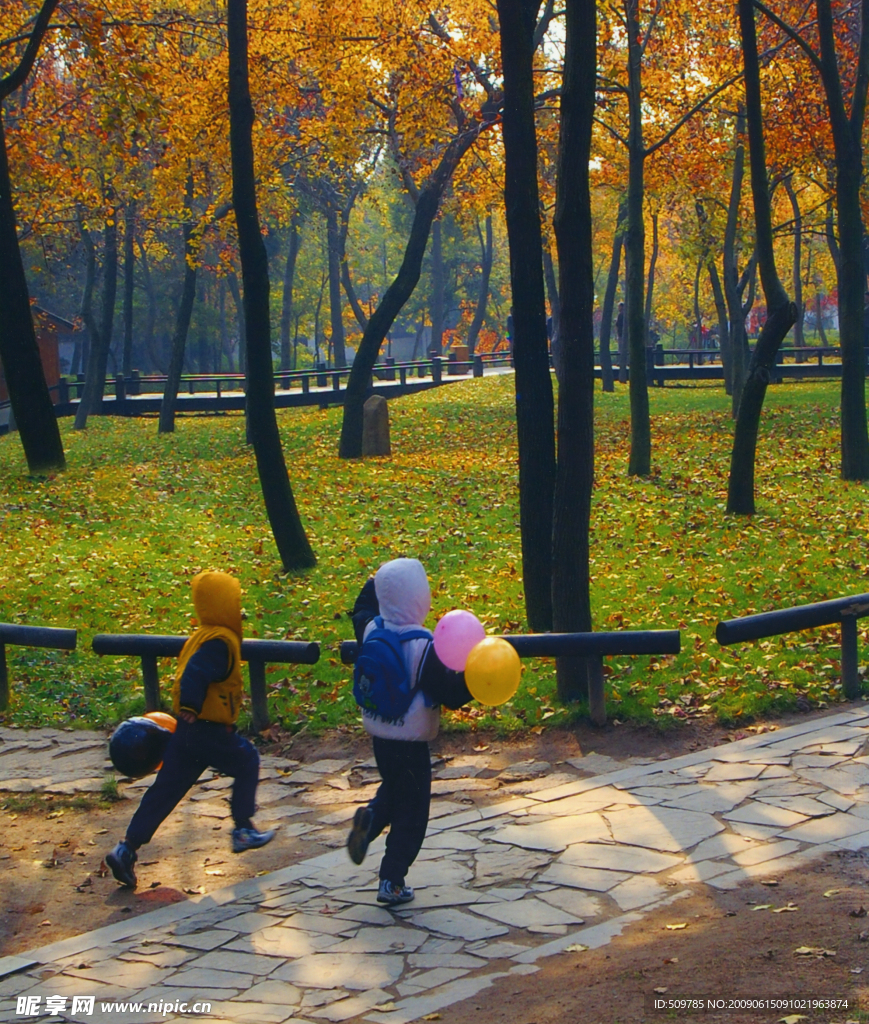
{"x": 492, "y": 671}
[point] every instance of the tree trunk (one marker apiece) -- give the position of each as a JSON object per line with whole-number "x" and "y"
{"x": 486, "y": 257}
{"x": 346, "y": 280}
{"x": 129, "y": 268}
{"x": 293, "y": 547}
{"x": 166, "y": 423}
{"x": 534, "y": 401}
{"x": 289, "y": 279}
{"x": 781, "y": 312}
{"x": 19, "y": 352}
{"x": 609, "y": 298}
{"x": 847, "y": 131}
{"x": 436, "y": 297}
{"x": 101, "y": 337}
{"x": 640, "y": 462}
{"x": 397, "y": 293}
{"x": 571, "y": 604}
{"x": 31, "y": 403}
{"x": 336, "y": 310}
{"x": 799, "y": 338}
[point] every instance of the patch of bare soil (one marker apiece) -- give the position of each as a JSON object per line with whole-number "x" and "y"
{"x": 54, "y": 884}
{"x": 731, "y": 947}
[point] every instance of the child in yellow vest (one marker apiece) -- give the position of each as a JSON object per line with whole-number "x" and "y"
{"x": 206, "y": 699}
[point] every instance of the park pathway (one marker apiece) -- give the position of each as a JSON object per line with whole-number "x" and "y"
{"x": 562, "y": 862}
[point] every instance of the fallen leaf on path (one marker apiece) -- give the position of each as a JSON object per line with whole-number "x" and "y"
{"x": 856, "y": 970}
{"x": 198, "y": 891}
{"x": 792, "y": 1018}
{"x": 817, "y": 951}
{"x": 575, "y": 947}
{"x": 676, "y": 927}
{"x": 479, "y": 749}
{"x": 671, "y": 960}
{"x": 155, "y": 885}
{"x": 762, "y": 906}
{"x": 660, "y": 990}
{"x": 432, "y": 1016}
{"x": 784, "y": 910}
{"x": 215, "y": 871}
{"x": 771, "y": 882}
{"x": 832, "y": 892}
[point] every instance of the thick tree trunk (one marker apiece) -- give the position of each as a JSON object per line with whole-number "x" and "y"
{"x": 781, "y": 312}
{"x": 397, "y": 293}
{"x": 129, "y": 269}
{"x": 19, "y": 352}
{"x": 571, "y": 604}
{"x": 101, "y": 337}
{"x": 640, "y": 462}
{"x": 289, "y": 279}
{"x": 166, "y": 423}
{"x": 436, "y": 295}
{"x": 534, "y": 401}
{"x": 730, "y": 270}
{"x": 486, "y": 257}
{"x": 609, "y": 298}
{"x": 32, "y": 409}
{"x": 336, "y": 310}
{"x": 295, "y": 551}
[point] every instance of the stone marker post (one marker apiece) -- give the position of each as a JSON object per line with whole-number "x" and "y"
{"x": 375, "y": 427}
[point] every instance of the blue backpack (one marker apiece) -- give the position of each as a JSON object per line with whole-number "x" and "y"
{"x": 381, "y": 683}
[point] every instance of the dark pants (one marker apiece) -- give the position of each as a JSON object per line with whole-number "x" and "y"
{"x": 191, "y": 750}
{"x": 402, "y": 803}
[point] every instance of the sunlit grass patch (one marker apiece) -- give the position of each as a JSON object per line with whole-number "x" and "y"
{"x": 111, "y": 545}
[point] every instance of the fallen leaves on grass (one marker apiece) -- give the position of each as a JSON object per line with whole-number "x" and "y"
{"x": 676, "y": 927}
{"x": 815, "y": 951}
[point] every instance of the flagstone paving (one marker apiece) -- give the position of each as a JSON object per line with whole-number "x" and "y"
{"x": 500, "y": 884}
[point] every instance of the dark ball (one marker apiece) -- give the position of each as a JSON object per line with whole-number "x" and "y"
{"x": 137, "y": 747}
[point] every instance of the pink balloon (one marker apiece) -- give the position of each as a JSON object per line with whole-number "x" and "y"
{"x": 455, "y": 636}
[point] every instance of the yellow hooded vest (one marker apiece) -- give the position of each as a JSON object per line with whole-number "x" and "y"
{"x": 217, "y": 600}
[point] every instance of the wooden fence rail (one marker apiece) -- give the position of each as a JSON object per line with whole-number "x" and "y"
{"x": 579, "y": 645}
{"x": 257, "y": 654}
{"x": 29, "y": 636}
{"x": 843, "y": 611}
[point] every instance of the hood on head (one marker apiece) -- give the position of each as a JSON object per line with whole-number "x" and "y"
{"x": 217, "y": 600}
{"x": 403, "y": 592}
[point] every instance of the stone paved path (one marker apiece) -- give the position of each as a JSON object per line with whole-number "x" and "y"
{"x": 499, "y": 887}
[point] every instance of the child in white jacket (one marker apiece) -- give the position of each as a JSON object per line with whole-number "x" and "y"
{"x": 399, "y": 593}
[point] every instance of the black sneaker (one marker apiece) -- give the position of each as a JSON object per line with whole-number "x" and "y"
{"x": 357, "y": 841}
{"x": 121, "y": 861}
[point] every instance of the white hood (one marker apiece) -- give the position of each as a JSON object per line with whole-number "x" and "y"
{"x": 402, "y": 592}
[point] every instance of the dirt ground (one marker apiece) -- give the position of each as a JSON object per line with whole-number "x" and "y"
{"x": 54, "y": 886}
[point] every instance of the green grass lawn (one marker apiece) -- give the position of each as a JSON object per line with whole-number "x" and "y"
{"x": 111, "y": 545}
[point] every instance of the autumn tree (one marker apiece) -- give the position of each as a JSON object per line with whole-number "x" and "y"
{"x": 781, "y": 312}
{"x": 28, "y": 393}
{"x": 293, "y": 546}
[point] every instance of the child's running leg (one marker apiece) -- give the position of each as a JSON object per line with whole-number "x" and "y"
{"x": 181, "y": 768}
{"x": 405, "y": 768}
{"x": 233, "y": 755}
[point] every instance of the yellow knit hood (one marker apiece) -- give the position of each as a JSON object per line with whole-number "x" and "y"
{"x": 217, "y": 600}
